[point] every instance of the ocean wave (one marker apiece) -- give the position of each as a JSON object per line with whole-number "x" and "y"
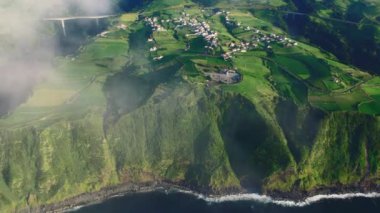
{"x": 74, "y": 209}
{"x": 285, "y": 203}
{"x": 254, "y": 197}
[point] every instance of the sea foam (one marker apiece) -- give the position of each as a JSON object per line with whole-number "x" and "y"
{"x": 285, "y": 203}
{"x": 254, "y": 197}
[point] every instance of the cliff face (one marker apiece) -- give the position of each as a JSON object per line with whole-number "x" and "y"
{"x": 39, "y": 165}
{"x": 174, "y": 137}
{"x": 345, "y": 151}
{"x": 189, "y": 135}
{"x": 341, "y": 152}
{"x": 118, "y": 116}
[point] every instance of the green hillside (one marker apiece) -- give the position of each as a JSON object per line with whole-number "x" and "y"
{"x": 138, "y": 105}
{"x": 347, "y": 28}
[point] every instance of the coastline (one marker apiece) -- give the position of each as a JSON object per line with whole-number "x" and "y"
{"x": 288, "y": 199}
{"x": 91, "y": 198}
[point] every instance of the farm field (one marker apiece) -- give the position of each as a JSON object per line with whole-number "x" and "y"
{"x": 218, "y": 96}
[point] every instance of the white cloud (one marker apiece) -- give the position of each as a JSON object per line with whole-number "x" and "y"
{"x": 26, "y": 48}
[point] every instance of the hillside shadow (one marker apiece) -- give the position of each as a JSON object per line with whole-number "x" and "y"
{"x": 254, "y": 151}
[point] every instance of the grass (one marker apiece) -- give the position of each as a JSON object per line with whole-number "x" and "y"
{"x": 338, "y": 102}
{"x": 128, "y": 18}
{"x": 254, "y": 86}
{"x": 217, "y": 25}
{"x": 75, "y": 83}
{"x": 295, "y": 66}
{"x": 372, "y": 87}
{"x": 163, "y": 5}
{"x": 167, "y": 44}
{"x": 67, "y": 108}
{"x": 288, "y": 86}
{"x": 334, "y": 151}
{"x": 248, "y": 3}
{"x": 46, "y": 105}
{"x": 370, "y": 107}
{"x": 309, "y": 66}
{"x": 247, "y": 19}
{"x": 168, "y": 123}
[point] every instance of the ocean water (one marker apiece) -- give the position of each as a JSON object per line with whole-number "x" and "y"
{"x": 157, "y": 202}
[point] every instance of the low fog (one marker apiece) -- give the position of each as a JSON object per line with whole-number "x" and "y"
{"x": 27, "y": 45}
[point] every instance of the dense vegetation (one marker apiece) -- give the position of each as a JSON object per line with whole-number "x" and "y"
{"x": 348, "y": 29}
{"x": 300, "y": 120}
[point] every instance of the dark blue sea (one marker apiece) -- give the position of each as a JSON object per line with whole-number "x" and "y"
{"x": 161, "y": 202}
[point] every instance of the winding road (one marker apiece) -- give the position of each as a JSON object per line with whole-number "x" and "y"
{"x": 320, "y": 17}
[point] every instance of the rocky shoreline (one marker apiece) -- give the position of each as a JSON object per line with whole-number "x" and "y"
{"x": 104, "y": 194}
{"x": 97, "y": 197}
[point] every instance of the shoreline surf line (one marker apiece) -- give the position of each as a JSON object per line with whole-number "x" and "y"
{"x": 254, "y": 197}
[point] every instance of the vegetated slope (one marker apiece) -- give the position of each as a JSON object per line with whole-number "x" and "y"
{"x": 298, "y": 123}
{"x": 348, "y": 29}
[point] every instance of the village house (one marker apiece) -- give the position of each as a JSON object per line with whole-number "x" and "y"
{"x": 227, "y": 56}
{"x": 153, "y": 49}
{"x": 158, "y": 58}
{"x": 122, "y": 27}
{"x": 202, "y": 28}
{"x": 104, "y": 34}
{"x": 153, "y": 23}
